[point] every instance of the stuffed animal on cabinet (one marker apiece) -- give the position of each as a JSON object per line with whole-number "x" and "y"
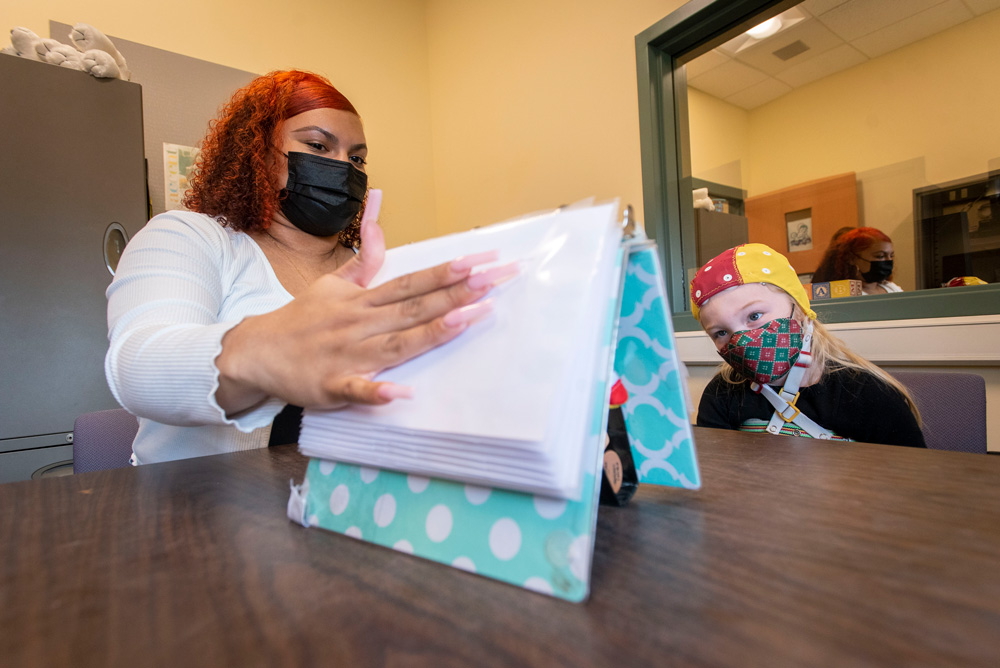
{"x": 91, "y": 51}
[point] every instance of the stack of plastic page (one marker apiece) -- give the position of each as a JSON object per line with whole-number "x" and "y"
{"x": 508, "y": 403}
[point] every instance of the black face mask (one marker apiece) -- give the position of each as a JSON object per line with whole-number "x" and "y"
{"x": 323, "y": 196}
{"x": 879, "y": 271}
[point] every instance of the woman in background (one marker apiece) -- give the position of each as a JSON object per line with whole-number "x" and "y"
{"x": 864, "y": 254}
{"x": 257, "y": 297}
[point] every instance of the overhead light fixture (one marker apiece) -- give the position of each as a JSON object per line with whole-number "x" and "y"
{"x": 766, "y": 29}
{"x": 773, "y": 26}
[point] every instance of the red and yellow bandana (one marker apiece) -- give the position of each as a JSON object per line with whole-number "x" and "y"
{"x": 747, "y": 263}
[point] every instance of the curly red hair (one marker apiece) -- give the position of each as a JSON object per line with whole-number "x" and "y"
{"x": 232, "y": 179}
{"x": 838, "y": 262}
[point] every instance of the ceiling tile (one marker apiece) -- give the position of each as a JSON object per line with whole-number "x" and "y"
{"x": 982, "y": 6}
{"x": 704, "y": 63}
{"x": 727, "y": 79}
{"x": 857, "y": 18}
{"x": 913, "y": 29}
{"x": 817, "y": 7}
{"x": 840, "y": 58}
{"x": 758, "y": 94}
{"x": 810, "y": 32}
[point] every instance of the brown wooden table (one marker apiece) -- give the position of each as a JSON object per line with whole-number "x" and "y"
{"x": 793, "y": 553}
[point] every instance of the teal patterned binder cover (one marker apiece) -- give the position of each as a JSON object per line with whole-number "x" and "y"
{"x": 656, "y": 412}
{"x": 539, "y": 543}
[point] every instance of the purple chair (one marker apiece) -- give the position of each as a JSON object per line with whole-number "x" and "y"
{"x": 952, "y": 406}
{"x": 103, "y": 440}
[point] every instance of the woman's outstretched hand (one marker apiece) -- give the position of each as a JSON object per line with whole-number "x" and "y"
{"x": 323, "y": 348}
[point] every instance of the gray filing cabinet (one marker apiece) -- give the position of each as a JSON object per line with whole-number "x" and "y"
{"x": 71, "y": 167}
{"x": 716, "y": 232}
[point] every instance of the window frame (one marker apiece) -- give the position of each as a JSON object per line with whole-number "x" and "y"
{"x": 695, "y": 28}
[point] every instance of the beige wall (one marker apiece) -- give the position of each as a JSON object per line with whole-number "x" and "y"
{"x": 534, "y": 104}
{"x": 720, "y": 140}
{"x": 374, "y": 51}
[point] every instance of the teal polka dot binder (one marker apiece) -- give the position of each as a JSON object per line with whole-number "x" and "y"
{"x": 541, "y": 543}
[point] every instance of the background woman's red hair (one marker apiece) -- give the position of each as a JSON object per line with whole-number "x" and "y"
{"x": 232, "y": 179}
{"x": 838, "y": 261}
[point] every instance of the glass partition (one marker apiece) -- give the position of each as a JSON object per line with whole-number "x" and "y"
{"x": 795, "y": 123}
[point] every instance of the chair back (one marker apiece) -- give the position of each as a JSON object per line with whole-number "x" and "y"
{"x": 952, "y": 406}
{"x": 103, "y": 440}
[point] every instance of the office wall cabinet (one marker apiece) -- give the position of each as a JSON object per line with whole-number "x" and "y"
{"x": 71, "y": 167}
{"x": 716, "y": 232}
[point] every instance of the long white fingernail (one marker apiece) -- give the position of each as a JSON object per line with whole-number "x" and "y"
{"x": 470, "y": 261}
{"x": 492, "y": 276}
{"x": 468, "y": 314}
{"x": 390, "y": 391}
{"x": 372, "y": 206}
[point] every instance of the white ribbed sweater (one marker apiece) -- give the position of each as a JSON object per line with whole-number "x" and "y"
{"x": 183, "y": 281}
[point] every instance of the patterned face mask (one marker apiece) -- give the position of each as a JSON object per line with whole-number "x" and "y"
{"x": 767, "y": 353}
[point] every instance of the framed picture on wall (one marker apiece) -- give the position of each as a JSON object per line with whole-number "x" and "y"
{"x": 799, "y": 230}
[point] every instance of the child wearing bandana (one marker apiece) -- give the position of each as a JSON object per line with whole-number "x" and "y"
{"x": 784, "y": 372}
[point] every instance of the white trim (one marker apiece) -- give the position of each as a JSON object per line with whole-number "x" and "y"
{"x": 965, "y": 340}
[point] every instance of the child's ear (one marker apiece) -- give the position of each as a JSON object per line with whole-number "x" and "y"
{"x": 800, "y": 314}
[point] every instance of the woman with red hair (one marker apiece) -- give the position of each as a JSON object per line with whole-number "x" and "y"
{"x": 257, "y": 296}
{"x": 862, "y": 253}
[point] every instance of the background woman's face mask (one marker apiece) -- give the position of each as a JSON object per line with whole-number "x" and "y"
{"x": 322, "y": 196}
{"x": 767, "y": 353}
{"x": 879, "y": 271}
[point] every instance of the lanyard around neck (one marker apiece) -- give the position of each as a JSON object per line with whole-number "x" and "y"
{"x": 784, "y": 400}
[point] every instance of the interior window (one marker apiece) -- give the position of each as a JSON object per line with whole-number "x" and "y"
{"x": 833, "y": 115}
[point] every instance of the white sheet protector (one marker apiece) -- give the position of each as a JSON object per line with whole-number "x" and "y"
{"x": 508, "y": 402}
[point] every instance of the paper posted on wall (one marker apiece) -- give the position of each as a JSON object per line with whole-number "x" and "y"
{"x": 178, "y": 161}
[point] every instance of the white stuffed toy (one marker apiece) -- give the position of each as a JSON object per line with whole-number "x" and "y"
{"x": 96, "y": 47}
{"x": 702, "y": 200}
{"x": 24, "y": 42}
{"x": 55, "y": 52}
{"x": 103, "y": 65}
{"x": 92, "y": 51}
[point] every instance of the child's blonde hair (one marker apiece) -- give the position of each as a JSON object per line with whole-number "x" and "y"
{"x": 832, "y": 356}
